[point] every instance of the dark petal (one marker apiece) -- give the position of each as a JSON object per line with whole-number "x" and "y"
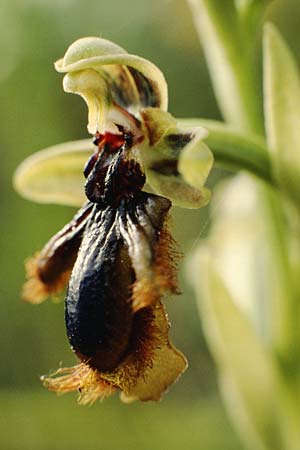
{"x": 151, "y": 248}
{"x": 155, "y": 208}
{"x": 143, "y": 216}
{"x": 48, "y": 272}
{"x": 60, "y": 253}
{"x": 98, "y": 309}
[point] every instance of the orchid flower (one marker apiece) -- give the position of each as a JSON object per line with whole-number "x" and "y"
{"x": 116, "y": 255}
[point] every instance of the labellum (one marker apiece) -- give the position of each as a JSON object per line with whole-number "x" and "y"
{"x": 122, "y": 262}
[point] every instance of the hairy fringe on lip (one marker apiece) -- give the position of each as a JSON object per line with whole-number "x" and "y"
{"x": 81, "y": 378}
{"x": 146, "y": 337}
{"x": 35, "y": 291}
{"x": 92, "y": 384}
{"x": 151, "y": 365}
{"x": 163, "y": 276}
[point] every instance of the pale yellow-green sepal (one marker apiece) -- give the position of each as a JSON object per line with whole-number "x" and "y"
{"x": 195, "y": 162}
{"x": 54, "y": 175}
{"x": 93, "y": 89}
{"x": 177, "y": 190}
{"x": 133, "y": 81}
{"x": 176, "y": 161}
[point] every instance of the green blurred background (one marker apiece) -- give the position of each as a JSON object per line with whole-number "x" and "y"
{"x": 35, "y": 113}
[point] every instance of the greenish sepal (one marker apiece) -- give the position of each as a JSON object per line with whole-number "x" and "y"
{"x": 54, "y": 175}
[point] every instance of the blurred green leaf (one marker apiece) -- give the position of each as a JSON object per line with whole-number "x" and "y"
{"x": 251, "y": 15}
{"x": 247, "y": 373}
{"x": 282, "y": 110}
{"x": 251, "y": 7}
{"x": 230, "y": 60}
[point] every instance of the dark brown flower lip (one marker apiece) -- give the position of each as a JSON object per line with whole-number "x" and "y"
{"x": 99, "y": 310}
{"x": 119, "y": 250}
{"x": 115, "y": 321}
